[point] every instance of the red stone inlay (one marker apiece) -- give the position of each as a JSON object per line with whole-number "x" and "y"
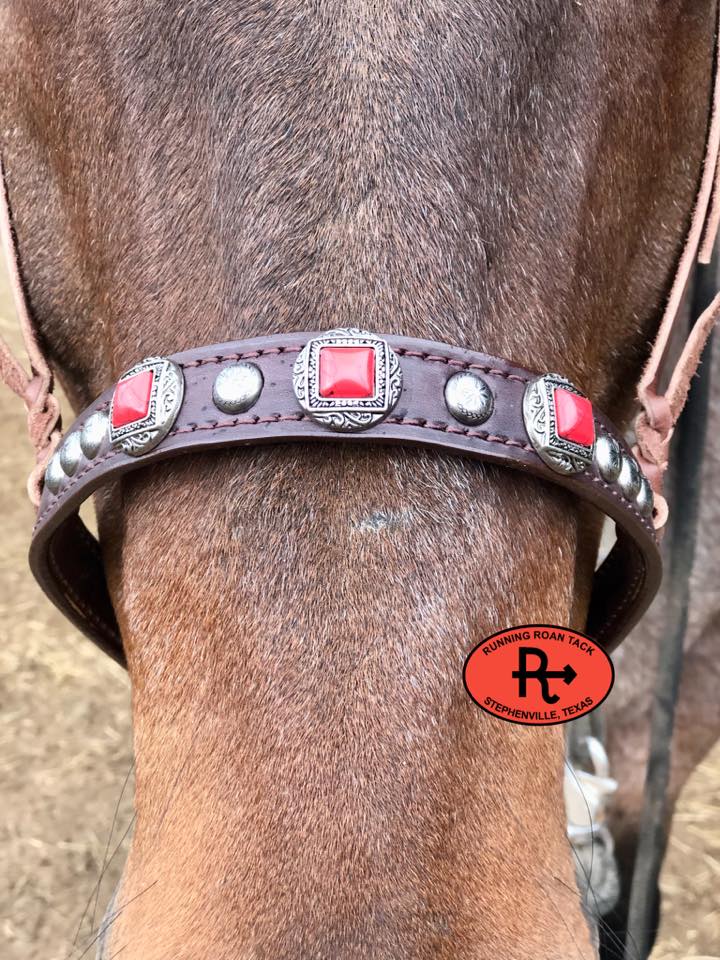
{"x": 574, "y": 417}
{"x": 132, "y": 399}
{"x": 347, "y": 373}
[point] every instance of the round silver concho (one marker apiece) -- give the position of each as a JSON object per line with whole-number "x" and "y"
{"x": 630, "y": 478}
{"x": 559, "y": 453}
{"x": 342, "y": 413}
{"x": 93, "y": 434}
{"x": 645, "y": 499}
{"x": 468, "y": 398}
{"x": 237, "y": 387}
{"x": 71, "y": 453}
{"x": 54, "y": 474}
{"x": 608, "y": 458}
{"x": 155, "y": 421}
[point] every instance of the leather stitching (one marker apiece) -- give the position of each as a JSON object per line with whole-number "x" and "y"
{"x": 280, "y": 418}
{"x": 462, "y": 431}
{"x": 234, "y": 357}
{"x": 461, "y": 364}
{"x": 418, "y": 422}
{"x": 618, "y": 496}
{"x": 239, "y": 422}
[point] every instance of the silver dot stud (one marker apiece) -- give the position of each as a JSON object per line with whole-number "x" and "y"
{"x": 237, "y": 388}
{"x": 468, "y": 398}
{"x": 93, "y": 434}
{"x": 71, "y": 453}
{"x": 54, "y": 474}
{"x": 608, "y": 458}
{"x": 630, "y": 478}
{"x": 645, "y": 500}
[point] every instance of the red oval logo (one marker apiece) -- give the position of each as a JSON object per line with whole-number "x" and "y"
{"x": 538, "y": 675}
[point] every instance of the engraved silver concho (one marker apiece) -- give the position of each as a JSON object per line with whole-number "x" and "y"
{"x": 142, "y": 434}
{"x": 348, "y": 415}
{"x": 559, "y": 453}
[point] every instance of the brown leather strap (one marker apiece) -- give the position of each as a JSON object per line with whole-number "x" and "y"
{"x": 66, "y": 559}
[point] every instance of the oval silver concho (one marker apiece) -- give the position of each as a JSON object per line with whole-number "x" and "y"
{"x": 71, "y": 453}
{"x": 93, "y": 434}
{"x": 645, "y": 499}
{"x": 347, "y": 380}
{"x": 608, "y": 458}
{"x": 145, "y": 405}
{"x": 630, "y": 478}
{"x": 54, "y": 474}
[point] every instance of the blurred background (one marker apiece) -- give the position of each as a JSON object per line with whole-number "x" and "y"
{"x": 65, "y": 734}
{"x": 66, "y": 762}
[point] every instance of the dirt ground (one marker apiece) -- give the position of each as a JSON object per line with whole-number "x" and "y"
{"x": 66, "y": 765}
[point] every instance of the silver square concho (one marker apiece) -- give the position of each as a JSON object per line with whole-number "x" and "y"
{"x": 140, "y": 418}
{"x": 342, "y": 413}
{"x": 561, "y": 453}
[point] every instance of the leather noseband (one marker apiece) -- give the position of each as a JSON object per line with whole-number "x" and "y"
{"x": 346, "y": 385}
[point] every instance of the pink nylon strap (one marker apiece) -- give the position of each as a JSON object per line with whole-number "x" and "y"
{"x": 35, "y": 388}
{"x": 659, "y": 411}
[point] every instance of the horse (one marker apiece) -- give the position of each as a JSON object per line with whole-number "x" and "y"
{"x": 312, "y": 780}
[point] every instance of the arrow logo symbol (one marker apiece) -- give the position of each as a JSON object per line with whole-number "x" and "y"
{"x": 540, "y": 673}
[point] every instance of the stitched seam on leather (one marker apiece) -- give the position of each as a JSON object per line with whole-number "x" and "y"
{"x": 420, "y": 423}
{"x": 281, "y": 418}
{"x": 618, "y": 496}
{"x": 463, "y": 431}
{"x": 234, "y": 357}
{"x": 461, "y": 364}
{"x": 239, "y": 422}
{"x": 400, "y": 351}
{"x": 275, "y": 351}
{"x": 78, "y": 604}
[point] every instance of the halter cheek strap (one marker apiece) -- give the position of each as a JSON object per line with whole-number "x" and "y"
{"x": 660, "y": 408}
{"x": 34, "y": 389}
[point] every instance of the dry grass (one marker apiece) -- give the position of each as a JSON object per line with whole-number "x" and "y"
{"x": 691, "y": 876}
{"x": 64, "y": 738}
{"x": 66, "y": 751}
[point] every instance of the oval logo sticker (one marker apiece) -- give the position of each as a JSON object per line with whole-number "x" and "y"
{"x": 538, "y": 675}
